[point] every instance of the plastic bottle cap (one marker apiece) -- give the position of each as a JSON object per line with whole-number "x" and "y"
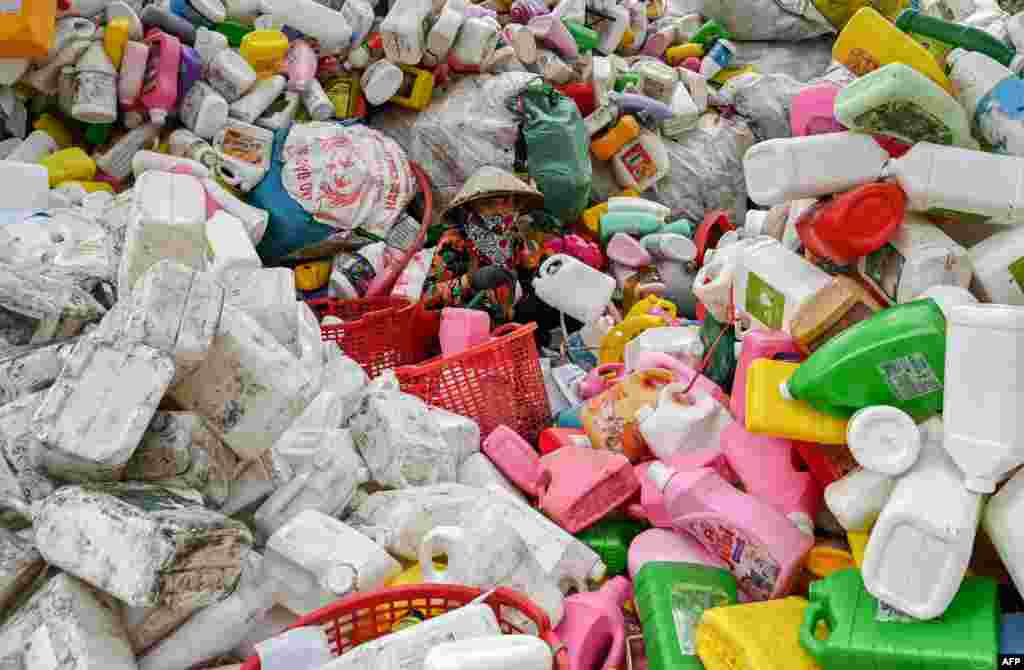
{"x": 660, "y": 474}
{"x": 381, "y": 82}
{"x": 784, "y": 390}
{"x": 884, "y": 439}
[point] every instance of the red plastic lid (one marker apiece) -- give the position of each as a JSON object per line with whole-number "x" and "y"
{"x": 582, "y": 94}
{"x": 375, "y": 41}
{"x": 854, "y": 223}
{"x": 715, "y": 224}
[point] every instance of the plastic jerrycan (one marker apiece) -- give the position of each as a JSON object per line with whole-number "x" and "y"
{"x": 940, "y": 37}
{"x": 773, "y": 344}
{"x": 865, "y": 633}
{"x": 1002, "y": 524}
{"x": 670, "y": 598}
{"x": 991, "y": 94}
{"x": 682, "y": 422}
{"x": 918, "y": 552}
{"x": 870, "y": 41}
{"x": 770, "y": 413}
{"x": 764, "y": 549}
{"x": 593, "y": 627}
{"x": 895, "y": 358}
{"x": 754, "y": 636}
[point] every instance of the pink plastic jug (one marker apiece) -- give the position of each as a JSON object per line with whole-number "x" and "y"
{"x": 683, "y": 373}
{"x": 764, "y": 549}
{"x": 462, "y": 329}
{"x": 812, "y": 111}
{"x": 765, "y": 466}
{"x": 593, "y": 628}
{"x": 658, "y": 544}
{"x": 759, "y": 344}
{"x": 626, "y": 250}
{"x": 600, "y": 378}
{"x": 514, "y": 456}
{"x": 652, "y": 505}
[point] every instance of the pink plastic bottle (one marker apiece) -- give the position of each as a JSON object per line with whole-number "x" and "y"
{"x": 600, "y": 379}
{"x": 514, "y": 456}
{"x": 811, "y": 112}
{"x": 652, "y": 504}
{"x": 132, "y": 73}
{"x": 160, "y": 91}
{"x": 593, "y": 628}
{"x": 300, "y": 65}
{"x": 764, "y": 465}
{"x": 759, "y": 344}
{"x": 683, "y": 372}
{"x": 658, "y": 544}
{"x": 764, "y": 549}
{"x": 579, "y": 248}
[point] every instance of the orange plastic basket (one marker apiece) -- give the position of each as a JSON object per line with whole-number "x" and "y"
{"x": 366, "y": 616}
{"x": 379, "y": 333}
{"x": 497, "y": 382}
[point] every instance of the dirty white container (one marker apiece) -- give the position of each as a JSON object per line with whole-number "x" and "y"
{"x": 117, "y": 160}
{"x": 574, "y": 287}
{"x": 884, "y": 439}
{"x": 522, "y": 652}
{"x": 167, "y": 220}
{"x": 713, "y": 284}
{"x": 24, "y": 185}
{"x": 461, "y": 434}
{"x": 231, "y": 250}
{"x": 983, "y": 393}
{"x": 791, "y": 168}
{"x": 1002, "y": 524}
{"x": 316, "y": 102}
{"x": 477, "y": 40}
{"x": 251, "y": 106}
{"x": 999, "y": 267}
{"x": 36, "y": 146}
{"x": 857, "y": 499}
{"x": 268, "y": 297}
{"x": 230, "y": 75}
{"x": 918, "y": 257}
{"x": 923, "y": 539}
{"x": 318, "y": 559}
{"x": 681, "y": 423}
{"x": 772, "y": 284}
{"x": 318, "y": 21}
{"x": 245, "y": 152}
{"x": 402, "y": 30}
{"x": 479, "y": 471}
{"x": 204, "y": 111}
{"x": 153, "y": 160}
{"x": 682, "y": 342}
{"x": 254, "y": 218}
{"x": 381, "y": 81}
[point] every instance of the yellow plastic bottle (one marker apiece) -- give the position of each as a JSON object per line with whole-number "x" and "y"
{"x": 768, "y": 413}
{"x": 870, "y": 41}
{"x": 839, "y": 12}
{"x": 754, "y": 636}
{"x": 417, "y": 88}
{"x": 115, "y": 37}
{"x": 613, "y": 344}
{"x": 676, "y": 55}
{"x": 69, "y": 165}
{"x": 728, "y": 73}
{"x": 264, "y": 50}
{"x": 858, "y": 540}
{"x": 93, "y": 186}
{"x": 27, "y": 28}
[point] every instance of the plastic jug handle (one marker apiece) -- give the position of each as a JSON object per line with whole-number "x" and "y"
{"x": 814, "y": 613}
{"x": 442, "y": 539}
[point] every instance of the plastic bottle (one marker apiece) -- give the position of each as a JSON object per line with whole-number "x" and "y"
{"x": 998, "y": 264}
{"x": 69, "y": 165}
{"x": 763, "y": 549}
{"x": 189, "y": 72}
{"x": 940, "y": 37}
{"x": 896, "y": 358}
{"x": 641, "y": 163}
{"x": 573, "y": 287}
{"x": 593, "y": 628}
{"x": 898, "y": 101}
{"x": 659, "y": 545}
{"x": 231, "y": 249}
{"x": 671, "y": 597}
{"x": 681, "y": 422}
{"x": 204, "y": 111}
{"x": 870, "y": 41}
{"x": 27, "y": 29}
{"x": 209, "y": 43}
{"x": 685, "y": 112}
{"x": 217, "y": 196}
{"x": 857, "y": 499}
{"x": 230, "y": 75}
{"x": 301, "y": 62}
{"x": 264, "y": 50}
{"x": 252, "y": 105}
{"x": 626, "y": 130}
{"x": 812, "y": 110}
{"x": 862, "y": 634}
{"x": 884, "y": 439}
{"x": 991, "y": 95}
{"x": 185, "y": 144}
{"x": 35, "y": 147}
{"x": 96, "y": 89}
{"x": 26, "y": 185}
{"x": 117, "y": 160}
{"x": 402, "y": 31}
{"x": 151, "y": 160}
{"x": 162, "y": 18}
{"x": 115, "y": 36}
{"x": 320, "y": 22}
{"x": 160, "y": 91}
{"x": 923, "y": 583}
{"x": 245, "y": 154}
{"x": 132, "y": 74}
{"x": 754, "y": 636}
{"x": 1001, "y": 524}
{"x": 759, "y": 344}
{"x": 770, "y": 413}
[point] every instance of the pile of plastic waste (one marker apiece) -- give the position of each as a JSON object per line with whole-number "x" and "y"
{"x": 585, "y": 335}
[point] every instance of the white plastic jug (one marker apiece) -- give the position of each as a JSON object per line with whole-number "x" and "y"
{"x": 574, "y": 287}
{"x": 983, "y": 394}
{"x": 923, "y": 539}
{"x": 328, "y": 26}
{"x": 231, "y": 250}
{"x": 999, "y": 267}
{"x": 25, "y": 185}
{"x": 681, "y": 342}
{"x": 1002, "y": 524}
{"x": 522, "y": 652}
{"x": 857, "y": 499}
{"x": 682, "y": 422}
{"x": 479, "y": 471}
{"x": 403, "y": 31}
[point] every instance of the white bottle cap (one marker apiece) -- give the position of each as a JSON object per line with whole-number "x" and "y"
{"x": 381, "y": 82}
{"x": 660, "y": 474}
{"x": 884, "y": 439}
{"x": 340, "y": 579}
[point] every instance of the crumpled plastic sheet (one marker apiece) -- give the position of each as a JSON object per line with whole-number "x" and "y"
{"x": 781, "y": 20}
{"x": 706, "y": 170}
{"x": 459, "y": 132}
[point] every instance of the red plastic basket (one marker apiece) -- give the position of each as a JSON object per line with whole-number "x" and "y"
{"x": 365, "y": 616}
{"x": 497, "y": 382}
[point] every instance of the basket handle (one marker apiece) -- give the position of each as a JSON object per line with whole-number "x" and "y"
{"x": 445, "y": 538}
{"x": 505, "y": 329}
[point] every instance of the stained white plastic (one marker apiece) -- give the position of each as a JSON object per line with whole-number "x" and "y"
{"x": 1002, "y": 524}
{"x": 36, "y": 146}
{"x": 328, "y": 26}
{"x": 682, "y": 423}
{"x": 682, "y": 342}
{"x": 640, "y": 205}
{"x": 24, "y": 185}
{"x": 381, "y": 81}
{"x": 983, "y": 394}
{"x": 479, "y": 471}
{"x": 773, "y": 283}
{"x": 143, "y": 161}
{"x": 923, "y": 539}
{"x": 574, "y": 287}
{"x": 857, "y": 499}
{"x": 998, "y": 261}
{"x": 231, "y": 250}
{"x": 249, "y": 107}
{"x": 402, "y": 31}
{"x": 502, "y": 652}
{"x": 884, "y": 439}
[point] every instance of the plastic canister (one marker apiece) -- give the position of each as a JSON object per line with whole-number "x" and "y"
{"x": 36, "y": 146}
{"x": 770, "y": 413}
{"x": 522, "y": 652}
{"x": 327, "y": 26}
{"x": 69, "y": 165}
{"x": 96, "y": 89}
{"x": 857, "y": 499}
{"x": 1002, "y": 524}
{"x": 254, "y": 103}
{"x": 160, "y": 92}
{"x": 231, "y": 250}
{"x": 27, "y": 30}
{"x": 685, "y": 112}
{"x": 754, "y": 636}
{"x": 999, "y": 267}
{"x": 641, "y": 163}
{"x": 204, "y": 111}
{"x": 681, "y": 422}
{"x": 573, "y": 287}
{"x": 132, "y": 73}
{"x": 265, "y": 51}
{"x": 319, "y": 106}
{"x": 980, "y": 409}
{"x": 812, "y": 111}
{"x": 230, "y": 75}
{"x": 853, "y": 224}
{"x": 403, "y": 33}
{"x": 992, "y": 96}
{"x": 245, "y": 152}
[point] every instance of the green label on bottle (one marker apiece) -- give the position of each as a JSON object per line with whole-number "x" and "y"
{"x": 1017, "y": 272}
{"x": 688, "y": 604}
{"x": 910, "y": 376}
{"x": 764, "y": 302}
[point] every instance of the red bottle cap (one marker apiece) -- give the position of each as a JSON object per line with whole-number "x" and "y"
{"x": 582, "y": 94}
{"x": 854, "y": 223}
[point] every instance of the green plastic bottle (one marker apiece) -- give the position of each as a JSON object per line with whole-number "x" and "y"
{"x": 670, "y": 599}
{"x": 611, "y": 538}
{"x": 940, "y": 37}
{"x": 709, "y": 33}
{"x": 897, "y": 357}
{"x": 864, "y": 633}
{"x": 586, "y": 38}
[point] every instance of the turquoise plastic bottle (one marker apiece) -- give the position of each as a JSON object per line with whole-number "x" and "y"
{"x": 896, "y": 357}
{"x": 863, "y": 633}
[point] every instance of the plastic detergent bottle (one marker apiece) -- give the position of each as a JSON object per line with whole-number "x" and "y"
{"x": 593, "y": 627}
{"x": 641, "y": 163}
{"x": 681, "y": 422}
{"x": 327, "y": 26}
{"x": 857, "y": 499}
{"x": 626, "y": 130}
{"x": 759, "y": 344}
{"x": 993, "y": 97}
{"x": 898, "y": 101}
{"x": 771, "y": 413}
{"x": 895, "y": 358}
{"x": 659, "y": 545}
{"x": 923, "y": 581}
{"x": 670, "y": 598}
{"x": 754, "y": 636}
{"x": 764, "y": 549}
{"x": 866, "y": 633}
{"x": 998, "y": 264}
{"x": 870, "y": 41}
{"x": 812, "y": 110}
{"x": 940, "y": 37}
{"x": 160, "y": 89}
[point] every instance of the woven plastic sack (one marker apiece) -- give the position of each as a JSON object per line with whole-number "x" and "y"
{"x": 558, "y": 150}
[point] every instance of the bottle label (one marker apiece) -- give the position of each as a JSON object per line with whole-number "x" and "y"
{"x": 688, "y": 604}
{"x": 242, "y": 146}
{"x": 764, "y": 302}
{"x": 905, "y": 120}
{"x": 910, "y": 376}
{"x": 884, "y": 269}
{"x": 1017, "y": 272}
{"x": 861, "y": 62}
{"x": 755, "y": 569}
{"x": 98, "y": 90}
{"x": 638, "y": 163}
